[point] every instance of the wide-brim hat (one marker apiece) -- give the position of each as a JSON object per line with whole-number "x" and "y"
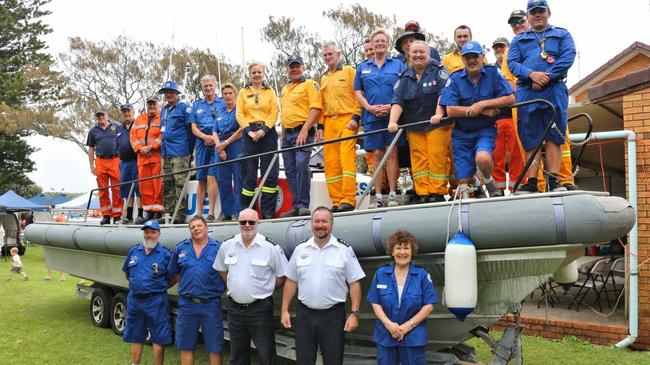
{"x": 406, "y": 34}
{"x": 170, "y": 86}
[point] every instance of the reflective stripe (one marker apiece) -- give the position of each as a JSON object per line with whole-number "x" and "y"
{"x": 566, "y": 153}
{"x": 152, "y": 207}
{"x": 105, "y": 209}
{"x": 135, "y": 143}
{"x": 441, "y": 177}
{"x": 334, "y": 179}
{"x": 155, "y": 125}
{"x": 117, "y": 210}
{"x": 157, "y": 140}
{"x": 139, "y": 126}
{"x": 269, "y": 190}
{"x": 351, "y": 174}
{"x": 420, "y": 174}
{"x": 247, "y": 192}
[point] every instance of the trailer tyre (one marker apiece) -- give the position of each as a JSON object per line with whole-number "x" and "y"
{"x": 118, "y": 313}
{"x": 100, "y": 306}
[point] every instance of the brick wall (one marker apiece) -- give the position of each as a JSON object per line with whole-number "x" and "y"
{"x": 636, "y": 117}
{"x": 595, "y": 333}
{"x": 636, "y": 63}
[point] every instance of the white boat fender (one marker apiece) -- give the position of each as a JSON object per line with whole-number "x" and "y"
{"x": 567, "y": 275}
{"x": 461, "y": 285}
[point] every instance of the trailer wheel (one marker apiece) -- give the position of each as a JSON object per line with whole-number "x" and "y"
{"x": 100, "y": 305}
{"x": 118, "y": 313}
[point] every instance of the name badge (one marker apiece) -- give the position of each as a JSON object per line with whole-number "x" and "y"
{"x": 382, "y": 286}
{"x": 365, "y": 71}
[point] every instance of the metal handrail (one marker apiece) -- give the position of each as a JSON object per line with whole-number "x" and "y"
{"x": 401, "y": 128}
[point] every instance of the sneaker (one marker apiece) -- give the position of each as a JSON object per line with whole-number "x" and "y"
{"x": 378, "y": 203}
{"x": 210, "y": 218}
{"x": 479, "y": 193}
{"x": 105, "y": 220}
{"x": 436, "y": 198}
{"x": 492, "y": 189}
{"x": 126, "y": 221}
{"x": 529, "y": 188}
{"x": 292, "y": 213}
{"x": 345, "y": 207}
{"x": 392, "y": 200}
{"x": 139, "y": 221}
{"x": 304, "y": 212}
{"x": 554, "y": 185}
{"x": 571, "y": 187}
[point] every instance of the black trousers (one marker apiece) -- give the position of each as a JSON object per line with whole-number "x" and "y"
{"x": 252, "y": 322}
{"x": 320, "y": 328}
{"x": 250, "y": 166}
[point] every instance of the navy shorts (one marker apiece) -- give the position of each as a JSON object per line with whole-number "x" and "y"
{"x": 128, "y": 172}
{"x": 208, "y": 317}
{"x": 205, "y": 155}
{"x": 379, "y": 140}
{"x": 531, "y": 126}
{"x": 151, "y": 314}
{"x": 464, "y": 146}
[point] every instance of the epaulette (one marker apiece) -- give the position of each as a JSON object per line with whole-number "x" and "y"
{"x": 270, "y": 241}
{"x": 343, "y": 242}
{"x": 229, "y": 238}
{"x": 305, "y": 240}
{"x": 134, "y": 246}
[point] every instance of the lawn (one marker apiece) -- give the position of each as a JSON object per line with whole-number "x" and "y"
{"x": 43, "y": 322}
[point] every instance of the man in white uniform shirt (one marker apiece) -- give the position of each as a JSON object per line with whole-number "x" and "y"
{"x": 252, "y": 266}
{"x": 320, "y": 270}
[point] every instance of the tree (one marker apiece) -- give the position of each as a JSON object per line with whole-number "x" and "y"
{"x": 352, "y": 26}
{"x": 289, "y": 39}
{"x": 15, "y": 162}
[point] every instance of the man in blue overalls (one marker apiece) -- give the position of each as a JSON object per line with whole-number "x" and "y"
{"x": 177, "y": 143}
{"x": 540, "y": 58}
{"x": 473, "y": 96}
{"x": 145, "y": 269}
{"x": 200, "y": 288}
{"x": 227, "y": 135}
{"x": 203, "y": 117}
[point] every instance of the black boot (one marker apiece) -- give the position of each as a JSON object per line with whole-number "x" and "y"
{"x": 105, "y": 220}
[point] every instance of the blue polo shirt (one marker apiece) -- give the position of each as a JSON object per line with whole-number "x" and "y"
{"x": 377, "y": 83}
{"x": 147, "y": 273}
{"x": 419, "y": 98}
{"x": 124, "y": 143}
{"x": 460, "y": 91}
{"x": 226, "y": 123}
{"x": 418, "y": 291}
{"x": 197, "y": 277}
{"x": 204, "y": 114}
{"x": 104, "y": 140}
{"x": 176, "y": 129}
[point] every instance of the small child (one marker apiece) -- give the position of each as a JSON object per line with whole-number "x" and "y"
{"x": 16, "y": 265}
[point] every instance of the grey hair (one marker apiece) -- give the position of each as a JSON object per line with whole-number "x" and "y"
{"x": 426, "y": 46}
{"x": 332, "y": 44}
{"x": 208, "y": 78}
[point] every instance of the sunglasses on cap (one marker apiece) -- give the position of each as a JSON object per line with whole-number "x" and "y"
{"x": 412, "y": 26}
{"x": 517, "y": 22}
{"x": 247, "y": 222}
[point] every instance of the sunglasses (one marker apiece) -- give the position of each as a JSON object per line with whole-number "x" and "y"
{"x": 519, "y": 21}
{"x": 245, "y": 222}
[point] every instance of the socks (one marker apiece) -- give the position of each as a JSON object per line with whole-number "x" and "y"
{"x": 140, "y": 212}
{"x": 129, "y": 213}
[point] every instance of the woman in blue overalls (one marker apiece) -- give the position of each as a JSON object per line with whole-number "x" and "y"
{"x": 402, "y": 295}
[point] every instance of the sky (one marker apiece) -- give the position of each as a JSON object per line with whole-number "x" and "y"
{"x": 600, "y": 29}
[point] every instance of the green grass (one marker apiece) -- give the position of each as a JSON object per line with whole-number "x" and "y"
{"x": 43, "y": 322}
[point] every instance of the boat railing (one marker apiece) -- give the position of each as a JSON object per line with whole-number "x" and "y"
{"x": 275, "y": 153}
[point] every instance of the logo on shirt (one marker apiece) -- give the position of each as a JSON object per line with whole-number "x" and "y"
{"x": 188, "y": 110}
{"x": 133, "y": 260}
{"x": 443, "y": 74}
{"x": 154, "y": 269}
{"x": 448, "y": 82}
{"x": 182, "y": 254}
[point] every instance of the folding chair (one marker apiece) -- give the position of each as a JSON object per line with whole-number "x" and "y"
{"x": 594, "y": 281}
{"x": 617, "y": 276}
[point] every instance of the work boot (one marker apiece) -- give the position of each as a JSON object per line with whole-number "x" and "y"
{"x": 529, "y": 188}
{"x": 304, "y": 212}
{"x": 554, "y": 185}
{"x": 422, "y": 199}
{"x": 479, "y": 193}
{"x": 492, "y": 189}
{"x": 334, "y": 209}
{"x": 571, "y": 187}
{"x": 117, "y": 220}
{"x": 126, "y": 221}
{"x": 345, "y": 207}
{"x": 139, "y": 220}
{"x": 105, "y": 220}
{"x": 266, "y": 216}
{"x": 436, "y": 198}
{"x": 149, "y": 216}
{"x": 292, "y": 213}
{"x": 225, "y": 218}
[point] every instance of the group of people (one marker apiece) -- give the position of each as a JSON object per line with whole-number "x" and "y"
{"x": 459, "y": 134}
{"x": 322, "y": 272}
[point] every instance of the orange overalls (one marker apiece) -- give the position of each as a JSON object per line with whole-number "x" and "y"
{"x": 507, "y": 143}
{"x": 146, "y": 132}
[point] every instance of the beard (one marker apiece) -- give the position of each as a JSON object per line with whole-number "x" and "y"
{"x": 150, "y": 244}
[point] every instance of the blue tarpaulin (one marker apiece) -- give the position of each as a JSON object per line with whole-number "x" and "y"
{"x": 15, "y": 202}
{"x": 42, "y": 199}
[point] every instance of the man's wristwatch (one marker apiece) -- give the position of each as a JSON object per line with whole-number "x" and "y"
{"x": 354, "y": 313}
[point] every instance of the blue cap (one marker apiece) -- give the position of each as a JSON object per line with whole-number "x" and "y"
{"x": 294, "y": 59}
{"x": 126, "y": 106}
{"x": 100, "y": 111}
{"x": 153, "y": 224}
{"x": 471, "y": 47}
{"x": 169, "y": 86}
{"x": 536, "y": 4}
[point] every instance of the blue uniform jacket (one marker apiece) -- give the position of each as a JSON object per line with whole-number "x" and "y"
{"x": 147, "y": 273}
{"x": 124, "y": 147}
{"x": 226, "y": 123}
{"x": 377, "y": 83}
{"x": 524, "y": 58}
{"x": 419, "y": 99}
{"x": 204, "y": 114}
{"x": 104, "y": 140}
{"x": 460, "y": 91}
{"x": 197, "y": 277}
{"x": 418, "y": 291}
{"x": 176, "y": 129}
